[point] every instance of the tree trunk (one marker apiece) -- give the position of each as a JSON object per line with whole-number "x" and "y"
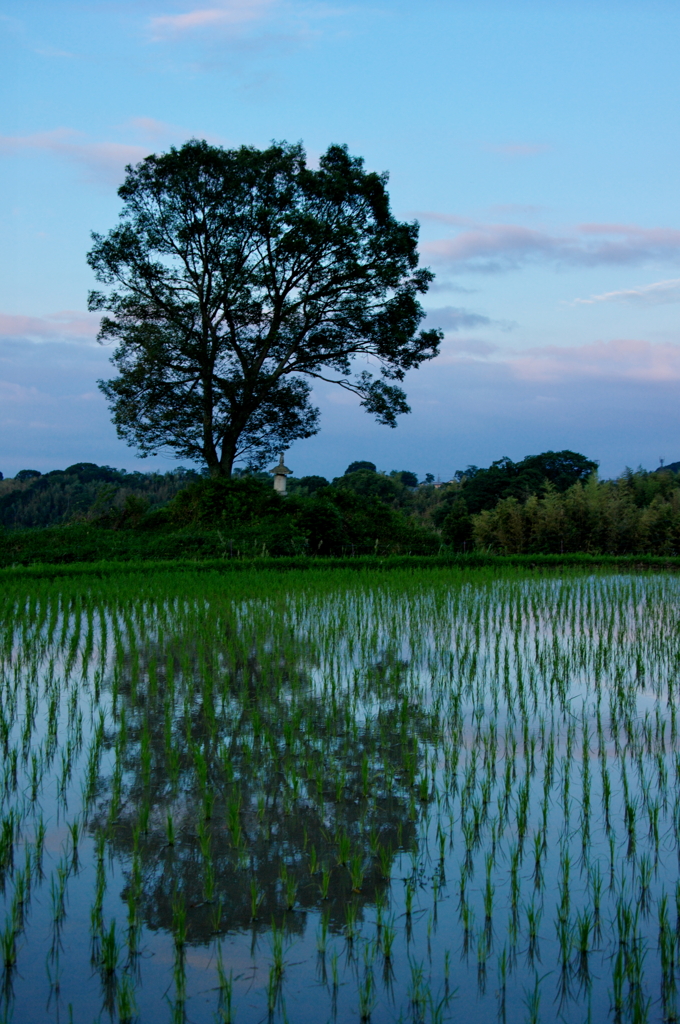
{"x": 226, "y": 463}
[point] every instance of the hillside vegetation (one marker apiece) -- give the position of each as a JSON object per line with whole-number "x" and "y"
{"x": 546, "y": 504}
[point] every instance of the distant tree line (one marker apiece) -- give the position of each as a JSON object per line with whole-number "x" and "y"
{"x": 547, "y": 503}
{"x": 85, "y": 491}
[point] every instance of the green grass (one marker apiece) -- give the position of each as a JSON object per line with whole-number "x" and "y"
{"x": 102, "y": 568}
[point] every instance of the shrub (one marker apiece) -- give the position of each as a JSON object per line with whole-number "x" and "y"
{"x": 213, "y": 502}
{"x": 598, "y": 517}
{"x": 456, "y": 525}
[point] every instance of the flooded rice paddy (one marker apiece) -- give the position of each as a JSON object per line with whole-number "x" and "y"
{"x": 308, "y": 798}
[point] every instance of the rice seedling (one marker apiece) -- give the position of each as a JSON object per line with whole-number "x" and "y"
{"x": 483, "y": 953}
{"x": 74, "y": 830}
{"x": 417, "y": 989}
{"x": 277, "y": 949}
{"x": 356, "y": 872}
{"x": 179, "y": 921}
{"x": 125, "y": 1000}
{"x": 325, "y": 881}
{"x": 367, "y": 996}
{"x": 532, "y": 999}
{"x": 226, "y": 991}
{"x": 385, "y": 856}
{"x": 58, "y": 893}
{"x": 8, "y": 944}
{"x": 289, "y": 884}
{"x": 350, "y": 928}
{"x": 110, "y": 950}
{"x": 216, "y": 911}
{"x": 534, "y": 915}
{"x": 179, "y": 978}
{"x": 344, "y": 849}
{"x": 313, "y": 861}
{"x": 322, "y": 936}
{"x": 256, "y": 898}
{"x": 387, "y": 938}
{"x": 335, "y": 973}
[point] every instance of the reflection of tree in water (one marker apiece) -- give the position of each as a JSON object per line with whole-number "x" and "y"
{"x": 280, "y": 791}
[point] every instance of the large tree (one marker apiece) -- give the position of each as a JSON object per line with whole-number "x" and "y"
{"x": 236, "y": 278}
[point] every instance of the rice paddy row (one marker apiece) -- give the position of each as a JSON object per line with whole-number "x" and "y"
{"x": 340, "y": 797}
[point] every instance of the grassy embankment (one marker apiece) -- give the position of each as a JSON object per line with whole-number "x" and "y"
{"x": 93, "y": 567}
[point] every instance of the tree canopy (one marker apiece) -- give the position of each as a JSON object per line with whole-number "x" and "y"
{"x": 235, "y": 280}
{"x": 482, "y": 488}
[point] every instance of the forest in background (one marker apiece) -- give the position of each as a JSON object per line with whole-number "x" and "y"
{"x": 552, "y": 503}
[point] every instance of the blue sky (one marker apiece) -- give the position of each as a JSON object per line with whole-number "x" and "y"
{"x": 536, "y": 142}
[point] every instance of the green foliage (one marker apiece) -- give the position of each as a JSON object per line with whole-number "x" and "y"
{"x": 332, "y": 520}
{"x": 224, "y": 501}
{"x": 640, "y": 513}
{"x": 482, "y": 488}
{"x": 241, "y": 517}
{"x": 306, "y": 484}
{"x": 406, "y": 477}
{"x": 456, "y": 525}
{"x": 363, "y": 478}
{"x": 101, "y": 513}
{"x": 366, "y": 483}
{"x": 86, "y": 491}
{"x": 237, "y": 278}
{"x": 369, "y": 525}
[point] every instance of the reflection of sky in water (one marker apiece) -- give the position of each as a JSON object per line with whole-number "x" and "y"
{"x": 451, "y": 697}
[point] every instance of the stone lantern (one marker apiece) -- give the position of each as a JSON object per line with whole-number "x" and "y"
{"x": 280, "y": 473}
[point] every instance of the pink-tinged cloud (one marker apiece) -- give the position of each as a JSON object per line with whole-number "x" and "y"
{"x": 54, "y": 139}
{"x": 67, "y": 325}
{"x": 497, "y": 247}
{"x": 234, "y": 13}
{"x": 16, "y": 393}
{"x": 151, "y": 128}
{"x": 660, "y": 235}
{"x": 105, "y": 160}
{"x": 613, "y": 361}
{"x": 656, "y": 294}
{"x": 618, "y": 360}
{"x": 494, "y": 247}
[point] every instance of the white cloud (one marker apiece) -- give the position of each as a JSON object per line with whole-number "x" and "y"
{"x": 655, "y": 294}
{"x": 453, "y": 318}
{"x": 104, "y": 160}
{"x": 231, "y": 14}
